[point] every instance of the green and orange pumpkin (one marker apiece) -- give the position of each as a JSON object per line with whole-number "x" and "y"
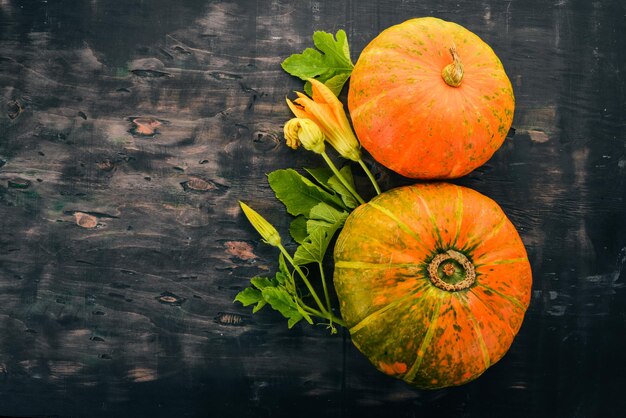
{"x": 433, "y": 282}
{"x": 429, "y": 99}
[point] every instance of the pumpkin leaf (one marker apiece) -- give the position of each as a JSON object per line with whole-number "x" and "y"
{"x": 335, "y": 84}
{"x": 263, "y": 282}
{"x": 323, "y": 223}
{"x": 259, "y": 306}
{"x": 321, "y": 175}
{"x": 330, "y": 63}
{"x": 254, "y": 294}
{"x": 304, "y": 314}
{"x": 278, "y": 291}
{"x": 249, "y": 296}
{"x": 280, "y": 300}
{"x": 283, "y": 276}
{"x": 313, "y": 249}
{"x": 298, "y": 193}
{"x": 282, "y": 265}
{"x": 326, "y": 178}
{"x": 327, "y": 214}
{"x": 297, "y": 229}
{"x": 334, "y": 183}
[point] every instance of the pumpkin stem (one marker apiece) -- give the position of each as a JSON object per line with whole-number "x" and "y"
{"x": 451, "y": 271}
{"x": 452, "y": 73}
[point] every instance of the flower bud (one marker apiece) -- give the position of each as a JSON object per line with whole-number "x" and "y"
{"x": 311, "y": 136}
{"x": 263, "y": 227}
{"x": 291, "y": 129}
{"x": 305, "y": 132}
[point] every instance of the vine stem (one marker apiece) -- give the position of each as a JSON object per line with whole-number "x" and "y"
{"x": 325, "y": 291}
{"x": 304, "y": 279}
{"x": 312, "y": 310}
{"x": 369, "y": 175}
{"x": 322, "y": 312}
{"x": 337, "y": 321}
{"x": 329, "y": 316}
{"x": 341, "y": 178}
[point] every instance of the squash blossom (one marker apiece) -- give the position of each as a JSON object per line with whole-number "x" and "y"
{"x": 263, "y": 227}
{"x": 325, "y": 109}
{"x": 306, "y": 132}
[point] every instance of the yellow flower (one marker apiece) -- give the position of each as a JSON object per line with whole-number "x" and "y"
{"x": 306, "y": 132}
{"x": 263, "y": 227}
{"x": 327, "y": 112}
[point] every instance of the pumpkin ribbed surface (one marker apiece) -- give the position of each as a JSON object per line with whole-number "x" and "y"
{"x": 433, "y": 282}
{"x": 410, "y": 119}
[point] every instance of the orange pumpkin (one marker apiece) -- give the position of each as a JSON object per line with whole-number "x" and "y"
{"x": 430, "y": 99}
{"x": 433, "y": 282}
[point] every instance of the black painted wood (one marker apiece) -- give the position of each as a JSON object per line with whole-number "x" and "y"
{"x": 130, "y": 129}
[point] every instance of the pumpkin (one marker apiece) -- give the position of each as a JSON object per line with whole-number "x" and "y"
{"x": 433, "y": 282}
{"x": 429, "y": 99}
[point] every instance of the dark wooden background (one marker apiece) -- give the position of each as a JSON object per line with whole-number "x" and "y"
{"x": 122, "y": 245}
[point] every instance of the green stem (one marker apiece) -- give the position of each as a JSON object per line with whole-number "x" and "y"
{"x": 329, "y": 316}
{"x": 329, "y": 308}
{"x": 304, "y": 278}
{"x": 342, "y": 179}
{"x": 337, "y": 321}
{"x": 322, "y": 313}
{"x": 369, "y": 175}
{"x": 311, "y": 310}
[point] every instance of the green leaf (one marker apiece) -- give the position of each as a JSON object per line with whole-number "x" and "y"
{"x": 330, "y": 63}
{"x": 321, "y": 175}
{"x": 335, "y": 84}
{"x": 282, "y": 265}
{"x": 251, "y": 295}
{"x": 284, "y": 277}
{"x": 280, "y": 300}
{"x": 310, "y": 63}
{"x": 325, "y": 221}
{"x": 259, "y": 306}
{"x": 304, "y": 314}
{"x": 335, "y": 184}
{"x": 263, "y": 282}
{"x": 325, "y": 214}
{"x": 297, "y": 229}
{"x": 326, "y": 178}
{"x": 337, "y": 49}
{"x": 298, "y": 193}
{"x": 248, "y": 296}
{"x": 313, "y": 249}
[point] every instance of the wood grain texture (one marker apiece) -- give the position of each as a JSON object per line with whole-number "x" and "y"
{"x": 129, "y": 131}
